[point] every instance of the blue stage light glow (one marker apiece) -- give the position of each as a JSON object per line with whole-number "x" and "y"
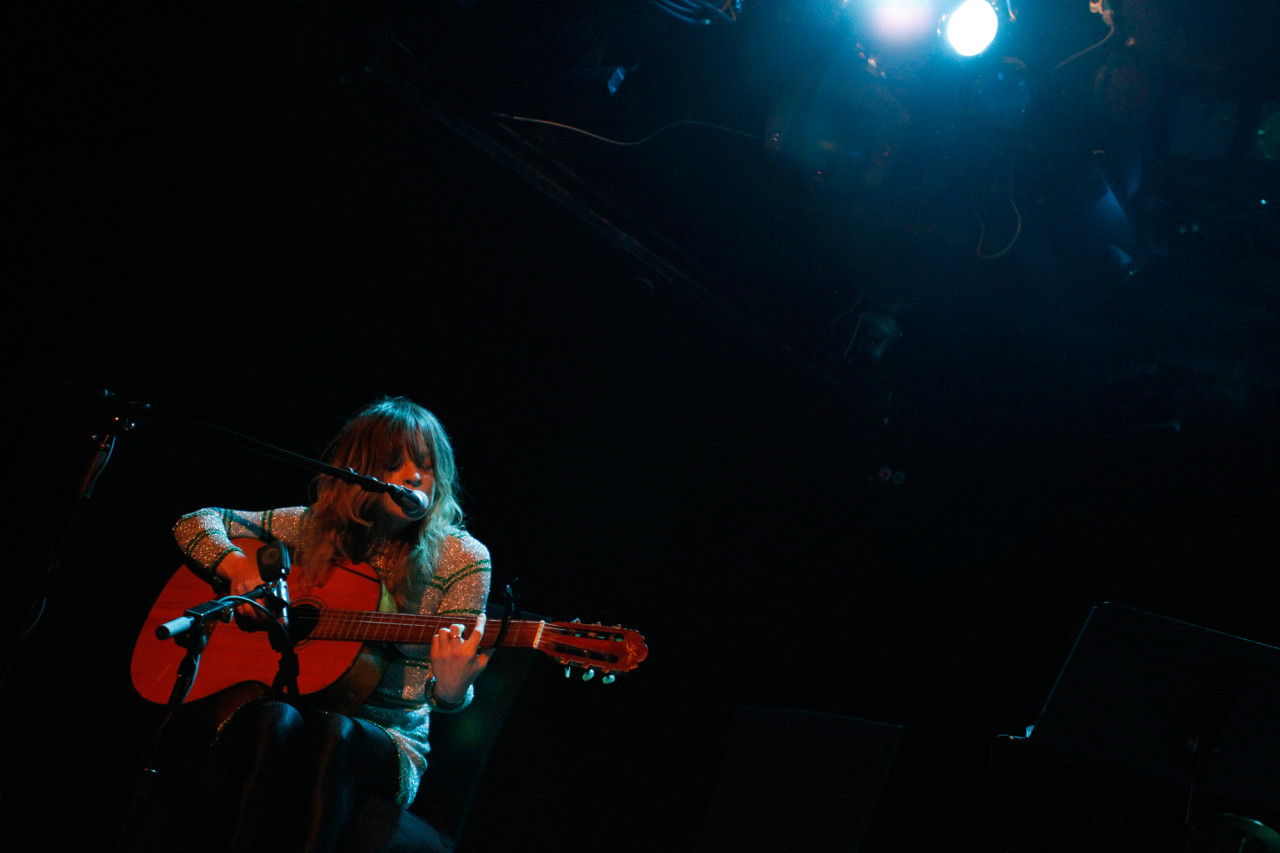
{"x": 971, "y": 28}
{"x": 901, "y": 22}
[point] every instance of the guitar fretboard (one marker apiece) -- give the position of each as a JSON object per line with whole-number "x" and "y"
{"x": 373, "y": 627}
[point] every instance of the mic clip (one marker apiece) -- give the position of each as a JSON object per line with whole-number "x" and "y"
{"x": 273, "y": 568}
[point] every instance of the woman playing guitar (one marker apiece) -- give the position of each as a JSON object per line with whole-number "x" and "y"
{"x": 304, "y": 767}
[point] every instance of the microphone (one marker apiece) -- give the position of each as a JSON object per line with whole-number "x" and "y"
{"x": 414, "y": 503}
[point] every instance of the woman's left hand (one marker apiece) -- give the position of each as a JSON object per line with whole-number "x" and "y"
{"x": 457, "y": 661}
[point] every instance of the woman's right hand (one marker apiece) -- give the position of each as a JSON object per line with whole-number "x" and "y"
{"x": 243, "y": 576}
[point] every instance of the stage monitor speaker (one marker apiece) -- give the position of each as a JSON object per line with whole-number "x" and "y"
{"x": 797, "y": 780}
{"x": 1170, "y": 701}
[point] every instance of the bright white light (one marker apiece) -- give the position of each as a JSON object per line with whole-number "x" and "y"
{"x": 902, "y": 21}
{"x": 972, "y": 27}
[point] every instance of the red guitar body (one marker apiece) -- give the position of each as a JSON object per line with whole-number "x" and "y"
{"x": 332, "y": 674}
{"x": 338, "y": 637}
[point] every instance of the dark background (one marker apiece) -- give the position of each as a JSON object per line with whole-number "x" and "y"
{"x": 655, "y": 365}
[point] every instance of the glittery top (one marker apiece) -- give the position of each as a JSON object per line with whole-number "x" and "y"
{"x": 403, "y": 700}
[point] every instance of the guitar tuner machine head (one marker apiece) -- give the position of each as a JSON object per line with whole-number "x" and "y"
{"x": 588, "y": 673}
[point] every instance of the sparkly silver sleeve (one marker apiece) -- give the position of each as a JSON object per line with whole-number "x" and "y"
{"x": 205, "y": 535}
{"x": 459, "y": 587}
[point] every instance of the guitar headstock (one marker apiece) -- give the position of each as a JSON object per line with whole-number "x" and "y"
{"x": 593, "y": 648}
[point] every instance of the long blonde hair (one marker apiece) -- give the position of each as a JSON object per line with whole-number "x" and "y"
{"x": 339, "y": 525}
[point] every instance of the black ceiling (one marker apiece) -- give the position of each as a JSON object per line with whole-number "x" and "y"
{"x": 1005, "y": 240}
{"x": 1061, "y": 235}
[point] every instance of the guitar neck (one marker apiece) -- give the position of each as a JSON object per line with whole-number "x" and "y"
{"x": 343, "y": 673}
{"x": 408, "y": 628}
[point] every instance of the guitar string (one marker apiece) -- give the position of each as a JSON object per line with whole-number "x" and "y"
{"x": 421, "y": 621}
{"x": 410, "y": 628}
{"x": 417, "y": 625}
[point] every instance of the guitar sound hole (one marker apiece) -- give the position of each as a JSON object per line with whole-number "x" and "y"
{"x": 302, "y": 621}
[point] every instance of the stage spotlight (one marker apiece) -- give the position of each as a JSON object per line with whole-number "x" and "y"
{"x": 901, "y": 23}
{"x": 971, "y": 27}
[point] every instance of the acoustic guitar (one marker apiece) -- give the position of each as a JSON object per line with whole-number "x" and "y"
{"x": 342, "y": 642}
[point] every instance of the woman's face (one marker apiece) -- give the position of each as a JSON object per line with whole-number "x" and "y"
{"x": 411, "y": 475}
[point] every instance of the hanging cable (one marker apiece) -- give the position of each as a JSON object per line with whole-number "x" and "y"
{"x": 1098, "y": 7}
{"x": 1008, "y": 246}
{"x": 698, "y": 12}
{"x": 640, "y": 141}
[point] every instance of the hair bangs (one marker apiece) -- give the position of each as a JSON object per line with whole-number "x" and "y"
{"x": 414, "y": 442}
{"x": 380, "y": 439}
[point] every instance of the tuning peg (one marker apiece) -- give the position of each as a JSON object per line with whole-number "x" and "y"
{"x": 567, "y": 670}
{"x": 588, "y": 675}
{"x": 608, "y": 679}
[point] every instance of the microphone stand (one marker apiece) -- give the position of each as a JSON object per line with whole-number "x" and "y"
{"x": 118, "y": 420}
{"x": 347, "y": 475}
{"x": 191, "y": 631}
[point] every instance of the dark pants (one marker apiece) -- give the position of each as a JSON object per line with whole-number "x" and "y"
{"x": 277, "y": 779}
